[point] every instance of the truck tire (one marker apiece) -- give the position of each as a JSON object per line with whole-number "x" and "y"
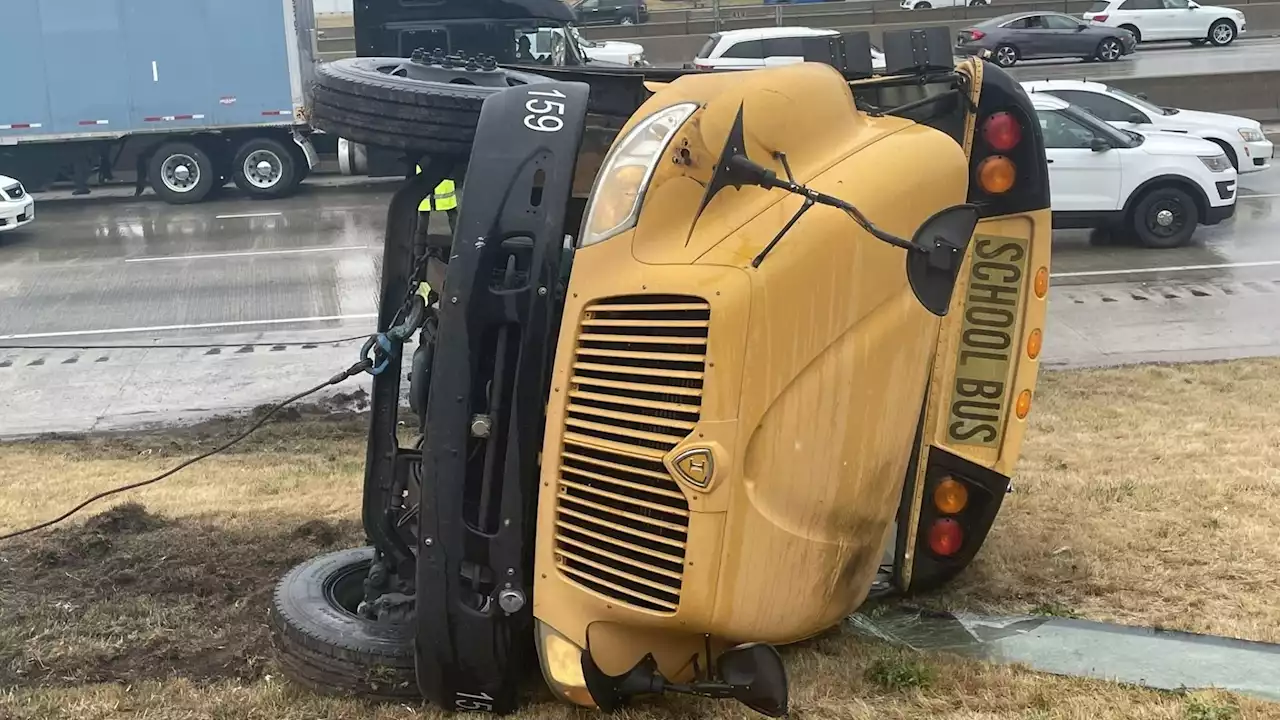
{"x": 265, "y": 168}
{"x": 324, "y": 645}
{"x": 181, "y": 173}
{"x": 409, "y": 105}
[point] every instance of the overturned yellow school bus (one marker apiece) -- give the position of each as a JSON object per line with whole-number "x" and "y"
{"x": 779, "y": 357}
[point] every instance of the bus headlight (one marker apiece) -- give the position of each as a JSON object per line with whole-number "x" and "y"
{"x": 624, "y": 177}
{"x": 561, "y": 662}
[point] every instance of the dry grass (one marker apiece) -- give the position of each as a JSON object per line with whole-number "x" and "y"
{"x": 1148, "y": 496}
{"x": 1144, "y": 497}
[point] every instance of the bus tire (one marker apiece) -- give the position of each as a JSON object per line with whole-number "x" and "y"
{"x": 405, "y": 104}
{"x": 182, "y": 173}
{"x": 324, "y": 645}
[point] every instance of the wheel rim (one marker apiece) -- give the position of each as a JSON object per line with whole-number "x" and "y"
{"x": 627, "y": 21}
{"x": 180, "y": 173}
{"x": 1166, "y": 218}
{"x": 1110, "y": 50}
{"x": 1005, "y": 56}
{"x": 344, "y": 590}
{"x": 263, "y": 169}
{"x": 1222, "y": 33}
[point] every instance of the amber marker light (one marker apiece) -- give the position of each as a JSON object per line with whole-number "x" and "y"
{"x": 951, "y": 496}
{"x": 1042, "y": 282}
{"x": 996, "y": 174}
{"x": 1023, "y": 406}
{"x": 1034, "y": 343}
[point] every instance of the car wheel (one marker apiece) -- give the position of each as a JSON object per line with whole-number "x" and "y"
{"x": 1005, "y": 55}
{"x": 1133, "y": 29}
{"x": 1110, "y": 50}
{"x": 1222, "y": 32}
{"x": 626, "y": 20}
{"x": 1165, "y": 217}
{"x": 977, "y": 3}
{"x": 182, "y": 173}
{"x": 265, "y": 168}
{"x": 325, "y": 645}
{"x": 407, "y": 104}
{"x": 921, "y": 6}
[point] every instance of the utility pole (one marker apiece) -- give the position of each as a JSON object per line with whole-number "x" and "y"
{"x": 715, "y": 13}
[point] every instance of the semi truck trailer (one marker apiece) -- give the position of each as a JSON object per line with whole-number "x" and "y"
{"x": 186, "y": 95}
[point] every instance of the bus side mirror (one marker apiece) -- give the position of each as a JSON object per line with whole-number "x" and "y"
{"x": 932, "y": 269}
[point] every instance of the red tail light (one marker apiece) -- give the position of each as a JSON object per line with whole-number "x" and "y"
{"x": 945, "y": 537}
{"x": 976, "y": 34}
{"x": 1099, "y": 18}
{"x": 1002, "y": 131}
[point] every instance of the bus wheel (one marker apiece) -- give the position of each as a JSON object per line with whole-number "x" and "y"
{"x": 264, "y": 168}
{"x": 324, "y": 642}
{"x": 416, "y": 104}
{"x": 181, "y": 173}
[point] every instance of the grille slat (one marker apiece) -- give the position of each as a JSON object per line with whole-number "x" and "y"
{"x": 635, "y": 394}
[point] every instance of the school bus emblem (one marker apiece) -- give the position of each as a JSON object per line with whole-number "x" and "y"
{"x": 695, "y": 466}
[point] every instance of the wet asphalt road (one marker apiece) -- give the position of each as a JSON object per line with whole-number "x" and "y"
{"x": 279, "y": 283}
{"x": 1162, "y": 59}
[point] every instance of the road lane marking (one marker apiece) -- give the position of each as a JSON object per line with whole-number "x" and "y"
{"x": 189, "y": 326}
{"x": 1258, "y": 196}
{"x": 1170, "y": 268}
{"x": 247, "y": 215}
{"x": 248, "y": 253}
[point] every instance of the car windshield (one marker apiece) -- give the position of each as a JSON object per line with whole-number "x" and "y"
{"x": 1144, "y": 104}
{"x": 547, "y": 44}
{"x": 1101, "y": 129}
{"x": 582, "y": 41}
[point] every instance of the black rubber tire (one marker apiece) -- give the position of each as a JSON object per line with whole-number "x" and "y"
{"x": 355, "y": 99}
{"x": 331, "y": 650}
{"x": 1137, "y": 34}
{"x": 1146, "y": 206}
{"x": 1222, "y": 22}
{"x": 288, "y": 179}
{"x": 1105, "y": 45}
{"x": 922, "y": 6}
{"x": 207, "y": 173}
{"x": 995, "y": 55}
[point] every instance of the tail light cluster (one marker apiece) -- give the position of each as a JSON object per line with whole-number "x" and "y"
{"x": 961, "y": 501}
{"x": 1098, "y": 18}
{"x": 1001, "y": 133}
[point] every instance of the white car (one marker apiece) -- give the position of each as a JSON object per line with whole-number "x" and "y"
{"x": 1157, "y": 186}
{"x": 611, "y": 51}
{"x": 1242, "y": 139}
{"x": 1155, "y": 20}
{"x": 763, "y": 47}
{"x": 16, "y": 206}
{"x": 926, "y": 4}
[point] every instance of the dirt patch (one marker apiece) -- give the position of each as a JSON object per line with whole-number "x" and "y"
{"x": 130, "y": 596}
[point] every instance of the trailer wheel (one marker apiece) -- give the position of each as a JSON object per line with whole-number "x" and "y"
{"x": 324, "y": 645}
{"x": 265, "y": 168}
{"x": 181, "y": 173}
{"x": 410, "y": 105}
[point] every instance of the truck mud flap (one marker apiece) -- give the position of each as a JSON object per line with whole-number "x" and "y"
{"x": 499, "y": 320}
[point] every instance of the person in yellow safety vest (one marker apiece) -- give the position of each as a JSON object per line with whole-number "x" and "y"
{"x": 443, "y": 199}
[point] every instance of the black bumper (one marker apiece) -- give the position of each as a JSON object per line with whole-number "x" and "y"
{"x": 1215, "y": 215}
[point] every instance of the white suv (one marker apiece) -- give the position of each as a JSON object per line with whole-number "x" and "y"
{"x": 16, "y": 206}
{"x": 763, "y": 47}
{"x": 1240, "y": 138}
{"x": 1157, "y": 186}
{"x": 926, "y": 4}
{"x": 1154, "y": 20}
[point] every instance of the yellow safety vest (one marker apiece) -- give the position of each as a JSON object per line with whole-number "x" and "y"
{"x": 444, "y": 197}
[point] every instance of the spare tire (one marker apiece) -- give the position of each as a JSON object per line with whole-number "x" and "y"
{"x": 408, "y": 104}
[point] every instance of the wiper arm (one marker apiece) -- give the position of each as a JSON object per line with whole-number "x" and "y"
{"x": 751, "y": 172}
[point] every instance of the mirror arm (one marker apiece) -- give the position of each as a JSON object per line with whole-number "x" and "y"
{"x": 808, "y": 203}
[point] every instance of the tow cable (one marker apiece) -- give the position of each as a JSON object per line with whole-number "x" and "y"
{"x": 383, "y": 347}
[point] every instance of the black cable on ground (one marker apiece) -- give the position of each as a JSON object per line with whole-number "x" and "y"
{"x": 335, "y": 380}
{"x": 191, "y": 346}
